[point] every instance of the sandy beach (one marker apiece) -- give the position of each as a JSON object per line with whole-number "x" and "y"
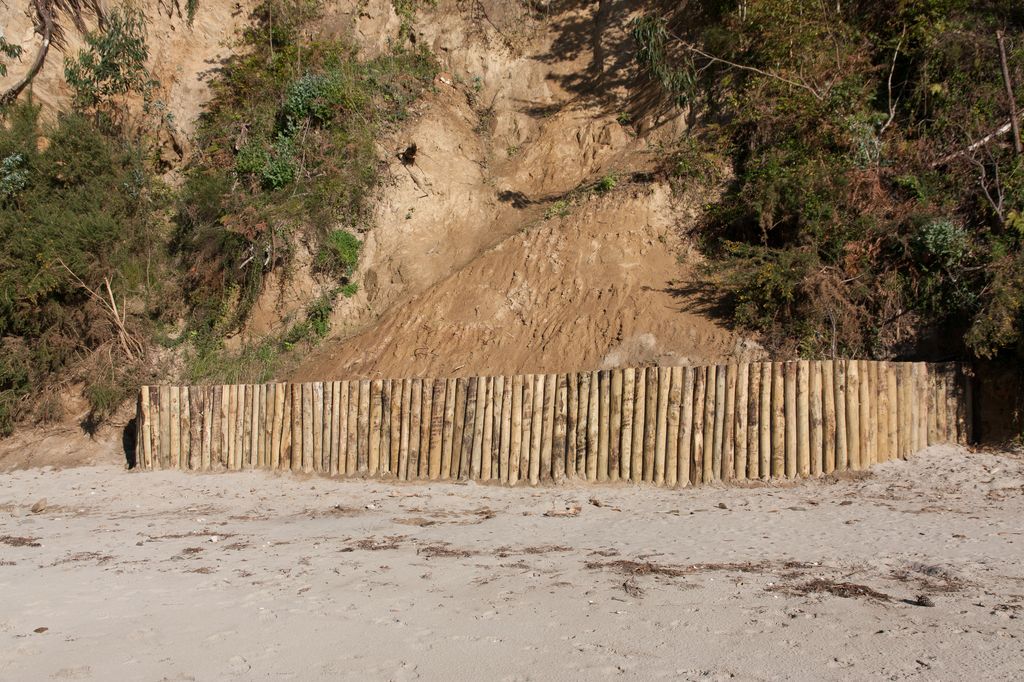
{"x": 915, "y": 571}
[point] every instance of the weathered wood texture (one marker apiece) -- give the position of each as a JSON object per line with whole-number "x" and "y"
{"x": 669, "y": 426}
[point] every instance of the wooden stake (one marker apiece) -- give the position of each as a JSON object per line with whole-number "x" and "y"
{"x": 922, "y": 401}
{"x": 764, "y": 420}
{"x": 675, "y": 392}
{"x": 803, "y": 419}
{"x": 548, "y": 436}
{"x": 778, "y": 465}
{"x": 604, "y": 424}
{"x": 515, "y": 430}
{"x": 526, "y": 442}
{"x": 571, "y": 423}
{"x": 636, "y": 467}
{"x": 174, "y": 427}
{"x": 867, "y": 414}
{"x": 497, "y": 394}
{"x": 488, "y": 434}
{"x": 789, "y": 392}
{"x": 505, "y": 447}
{"x": 297, "y": 432}
{"x": 415, "y": 429}
{"x": 729, "y": 425}
{"x": 685, "y": 445}
{"x": 558, "y": 448}
{"x": 426, "y": 415}
{"x": 224, "y": 411}
{"x": 742, "y": 407}
{"x": 143, "y": 425}
{"x": 719, "y": 416}
{"x": 157, "y": 428}
{"x": 406, "y": 431}
{"x": 384, "y": 430}
{"x": 625, "y": 445}
{"x": 317, "y": 412}
{"x": 582, "y": 421}
{"x": 308, "y": 442}
{"x": 828, "y": 407}
{"x": 853, "y": 433}
{"x": 754, "y": 423}
{"x": 448, "y": 438}
{"x": 208, "y": 417}
{"x": 842, "y": 410}
{"x": 537, "y": 428}
{"x": 711, "y": 400}
{"x": 893, "y": 417}
{"x": 593, "y": 426}
{"x": 650, "y": 423}
{"x": 959, "y": 386}
{"x": 814, "y": 414}
{"x": 437, "y": 414}
{"x": 187, "y": 435}
{"x": 699, "y": 410}
{"x": 352, "y": 432}
{"x": 376, "y": 407}
{"x": 469, "y": 430}
{"x": 664, "y": 388}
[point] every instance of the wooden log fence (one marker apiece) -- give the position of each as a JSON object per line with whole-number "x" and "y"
{"x": 666, "y": 426}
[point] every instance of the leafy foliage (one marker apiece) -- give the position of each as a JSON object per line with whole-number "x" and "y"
{"x": 285, "y": 152}
{"x": 78, "y": 208}
{"x": 860, "y": 218}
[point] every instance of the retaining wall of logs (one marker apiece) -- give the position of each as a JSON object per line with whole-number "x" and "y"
{"x": 671, "y": 426}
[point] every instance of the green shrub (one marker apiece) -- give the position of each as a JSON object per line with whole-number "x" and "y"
{"x": 339, "y": 254}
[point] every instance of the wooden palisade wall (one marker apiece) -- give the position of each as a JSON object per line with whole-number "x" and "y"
{"x": 667, "y": 426}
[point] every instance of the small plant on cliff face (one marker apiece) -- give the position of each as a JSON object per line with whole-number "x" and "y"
{"x": 113, "y": 61}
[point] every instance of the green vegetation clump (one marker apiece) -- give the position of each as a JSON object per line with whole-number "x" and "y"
{"x": 286, "y": 151}
{"x": 864, "y": 216}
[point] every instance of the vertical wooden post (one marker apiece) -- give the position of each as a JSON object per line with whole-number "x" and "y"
{"x": 497, "y": 393}
{"x": 477, "y": 427}
{"x": 488, "y": 430}
{"x": 615, "y": 426}
{"x": 143, "y": 449}
{"x": 721, "y": 402}
{"x": 505, "y": 449}
{"x": 157, "y": 428}
{"x": 469, "y": 429}
{"x": 603, "y": 424}
{"x": 729, "y": 438}
{"x": 789, "y": 393}
{"x": 537, "y": 428}
{"x": 189, "y": 435}
{"x": 376, "y": 421}
{"x": 307, "y": 427}
{"x": 526, "y": 439}
{"x": 352, "y": 432}
{"x": 710, "y": 410}
{"x": 803, "y": 419}
{"x": 685, "y": 445}
{"x": 778, "y": 464}
{"x": 296, "y": 432}
{"x": 426, "y": 412}
{"x": 842, "y": 446}
{"x": 385, "y": 428}
{"x": 571, "y": 423}
{"x": 868, "y": 411}
{"x": 406, "y": 429}
{"x": 636, "y": 466}
{"x": 262, "y": 458}
{"x": 276, "y": 427}
{"x": 363, "y": 428}
{"x": 650, "y": 423}
{"x": 449, "y": 439}
{"x": 582, "y": 423}
{"x": 626, "y": 427}
{"x": 548, "y": 435}
{"x": 317, "y": 411}
{"x": 814, "y": 414}
{"x": 675, "y": 394}
{"x": 828, "y": 408}
{"x": 853, "y": 433}
{"x": 516, "y": 430}
{"x": 286, "y": 428}
{"x": 764, "y": 421}
{"x": 923, "y": 401}
{"x": 699, "y": 397}
{"x": 253, "y": 430}
{"x": 174, "y": 422}
{"x": 208, "y": 422}
{"x": 415, "y": 424}
{"x": 233, "y": 432}
{"x": 893, "y": 417}
{"x": 222, "y": 400}
{"x": 739, "y": 469}
{"x": 882, "y": 413}
{"x": 439, "y": 409}
{"x": 967, "y": 378}
{"x": 753, "y": 472}
{"x": 341, "y": 426}
{"x": 664, "y": 378}
{"x": 593, "y": 426}
{"x": 558, "y": 448}
{"x": 957, "y": 377}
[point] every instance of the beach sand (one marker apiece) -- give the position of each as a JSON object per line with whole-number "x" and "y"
{"x": 175, "y": 576}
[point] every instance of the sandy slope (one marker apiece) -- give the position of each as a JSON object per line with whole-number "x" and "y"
{"x": 252, "y": 576}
